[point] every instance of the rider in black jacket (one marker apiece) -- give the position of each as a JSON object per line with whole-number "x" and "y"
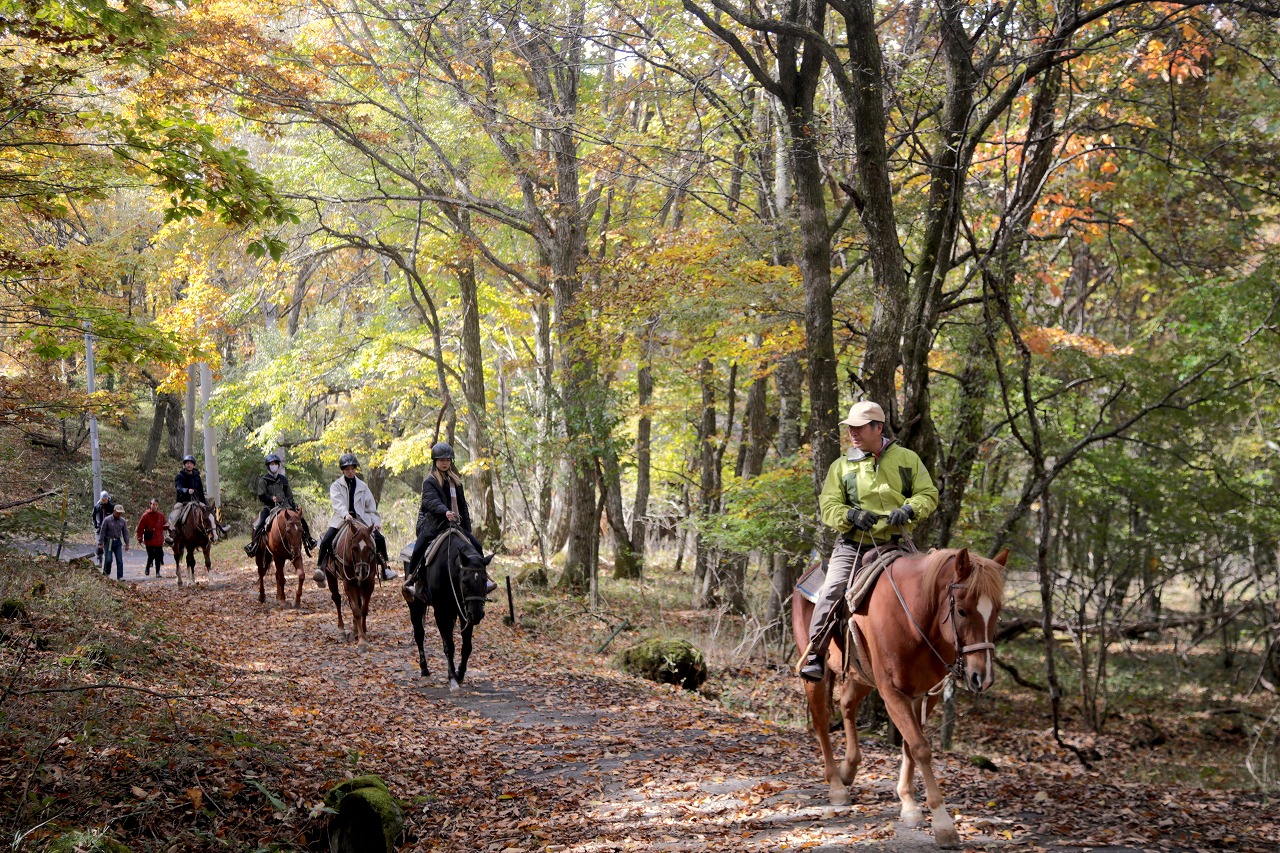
{"x": 436, "y": 512}
{"x": 273, "y": 490}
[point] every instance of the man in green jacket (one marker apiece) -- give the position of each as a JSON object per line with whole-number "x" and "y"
{"x": 875, "y": 493}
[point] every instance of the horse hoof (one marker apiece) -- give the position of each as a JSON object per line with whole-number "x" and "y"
{"x": 947, "y": 838}
{"x": 454, "y": 687}
{"x": 840, "y": 795}
{"x": 362, "y": 646}
{"x": 912, "y": 817}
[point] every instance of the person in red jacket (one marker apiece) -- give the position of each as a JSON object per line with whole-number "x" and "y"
{"x": 151, "y": 535}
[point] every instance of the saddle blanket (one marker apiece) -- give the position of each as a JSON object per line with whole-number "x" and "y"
{"x": 873, "y": 563}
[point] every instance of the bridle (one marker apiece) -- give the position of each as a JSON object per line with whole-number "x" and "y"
{"x": 956, "y": 668}
{"x": 459, "y": 600}
{"x": 360, "y": 570}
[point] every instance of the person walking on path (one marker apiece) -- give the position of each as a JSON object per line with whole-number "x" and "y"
{"x": 102, "y": 511}
{"x": 150, "y": 535}
{"x": 113, "y": 539}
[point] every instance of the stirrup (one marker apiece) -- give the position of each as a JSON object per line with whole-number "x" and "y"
{"x": 811, "y": 668}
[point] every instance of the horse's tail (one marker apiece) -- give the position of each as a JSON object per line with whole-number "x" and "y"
{"x": 801, "y": 614}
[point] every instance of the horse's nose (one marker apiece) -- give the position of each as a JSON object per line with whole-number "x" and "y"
{"x": 978, "y": 681}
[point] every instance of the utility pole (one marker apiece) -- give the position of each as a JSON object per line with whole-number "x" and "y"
{"x": 94, "y": 450}
{"x": 210, "y": 436}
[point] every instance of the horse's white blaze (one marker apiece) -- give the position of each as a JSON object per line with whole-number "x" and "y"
{"x": 986, "y": 607}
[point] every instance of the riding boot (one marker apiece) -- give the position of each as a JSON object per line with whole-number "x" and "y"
{"x": 812, "y": 667}
{"x": 388, "y": 573}
{"x": 319, "y": 575}
{"x": 251, "y": 547}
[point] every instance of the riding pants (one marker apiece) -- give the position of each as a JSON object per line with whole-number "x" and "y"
{"x": 326, "y": 545}
{"x": 262, "y": 520}
{"x": 423, "y": 544}
{"x": 155, "y": 554}
{"x": 846, "y": 558}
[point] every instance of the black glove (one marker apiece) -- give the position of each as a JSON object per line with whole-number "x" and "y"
{"x": 862, "y": 519}
{"x": 901, "y": 515}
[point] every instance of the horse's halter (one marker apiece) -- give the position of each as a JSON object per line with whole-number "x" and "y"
{"x": 360, "y": 570}
{"x": 956, "y": 668}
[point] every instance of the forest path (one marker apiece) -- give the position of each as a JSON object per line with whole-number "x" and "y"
{"x": 543, "y": 749}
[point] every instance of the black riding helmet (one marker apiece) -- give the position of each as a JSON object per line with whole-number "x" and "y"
{"x": 441, "y": 451}
{"x": 348, "y": 459}
{"x": 272, "y": 457}
{"x": 187, "y": 459}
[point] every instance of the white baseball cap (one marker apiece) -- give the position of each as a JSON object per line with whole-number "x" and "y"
{"x": 864, "y": 413}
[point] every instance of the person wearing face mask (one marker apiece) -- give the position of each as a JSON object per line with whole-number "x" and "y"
{"x": 273, "y": 490}
{"x": 350, "y": 498}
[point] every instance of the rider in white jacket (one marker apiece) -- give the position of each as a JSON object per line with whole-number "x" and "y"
{"x": 350, "y": 497}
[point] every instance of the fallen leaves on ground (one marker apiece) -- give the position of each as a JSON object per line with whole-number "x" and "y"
{"x": 546, "y": 749}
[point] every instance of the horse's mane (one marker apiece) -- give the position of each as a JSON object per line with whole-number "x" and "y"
{"x": 985, "y": 580}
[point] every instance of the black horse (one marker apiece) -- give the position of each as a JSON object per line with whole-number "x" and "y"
{"x": 452, "y": 578}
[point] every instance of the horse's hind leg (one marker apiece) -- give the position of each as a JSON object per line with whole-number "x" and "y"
{"x": 819, "y": 695}
{"x": 851, "y": 696}
{"x": 262, "y": 574}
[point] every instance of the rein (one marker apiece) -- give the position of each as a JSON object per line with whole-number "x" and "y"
{"x": 359, "y": 570}
{"x": 454, "y": 583}
{"x": 955, "y": 669}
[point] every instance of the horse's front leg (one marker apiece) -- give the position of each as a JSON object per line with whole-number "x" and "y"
{"x": 208, "y": 566}
{"x": 465, "y": 652}
{"x": 297, "y": 564}
{"x": 337, "y": 603}
{"x": 444, "y": 623}
{"x": 417, "y": 611}
{"x": 177, "y": 563}
{"x": 262, "y": 575}
{"x": 355, "y": 596}
{"x": 279, "y": 564}
{"x": 916, "y": 752}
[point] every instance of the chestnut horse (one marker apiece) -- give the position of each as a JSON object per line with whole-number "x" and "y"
{"x": 194, "y": 529}
{"x": 354, "y": 563}
{"x": 283, "y": 543}
{"x": 928, "y": 615}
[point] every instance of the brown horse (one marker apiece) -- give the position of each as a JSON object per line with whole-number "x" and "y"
{"x": 928, "y": 615}
{"x": 355, "y": 563}
{"x": 194, "y": 529}
{"x": 283, "y": 544}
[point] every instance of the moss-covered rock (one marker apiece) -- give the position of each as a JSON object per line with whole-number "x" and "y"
{"x": 13, "y": 608}
{"x": 532, "y": 575}
{"x": 666, "y": 661}
{"x": 368, "y": 819}
{"x": 86, "y": 842}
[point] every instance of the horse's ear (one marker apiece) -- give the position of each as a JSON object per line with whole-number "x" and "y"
{"x": 489, "y": 559}
{"x": 963, "y": 565}
{"x": 1003, "y": 557}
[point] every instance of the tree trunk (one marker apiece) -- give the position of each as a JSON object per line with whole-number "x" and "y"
{"x": 625, "y": 564}
{"x": 486, "y": 528}
{"x": 644, "y": 429}
{"x": 149, "y": 453}
{"x": 702, "y": 566}
{"x": 174, "y": 425}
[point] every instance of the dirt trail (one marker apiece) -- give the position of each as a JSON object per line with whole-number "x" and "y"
{"x": 542, "y": 750}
